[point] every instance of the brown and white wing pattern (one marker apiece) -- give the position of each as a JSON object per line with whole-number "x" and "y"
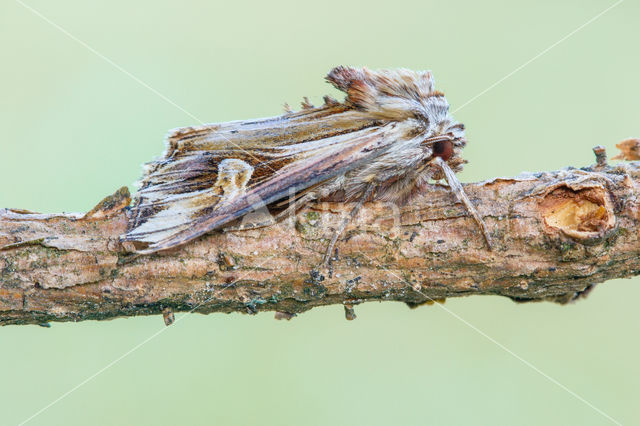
{"x": 213, "y": 174}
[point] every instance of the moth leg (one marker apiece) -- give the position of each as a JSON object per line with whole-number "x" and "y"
{"x": 290, "y": 210}
{"x": 457, "y": 189}
{"x": 345, "y": 222}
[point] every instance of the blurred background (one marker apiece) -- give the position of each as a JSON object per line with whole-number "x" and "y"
{"x": 88, "y": 90}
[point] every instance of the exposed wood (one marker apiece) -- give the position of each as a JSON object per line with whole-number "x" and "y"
{"x": 555, "y": 235}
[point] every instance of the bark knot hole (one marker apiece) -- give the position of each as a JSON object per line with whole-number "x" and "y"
{"x": 580, "y": 214}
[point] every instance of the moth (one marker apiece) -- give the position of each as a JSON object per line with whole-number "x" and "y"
{"x": 391, "y": 135}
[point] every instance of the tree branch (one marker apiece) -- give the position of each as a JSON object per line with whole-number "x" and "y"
{"x": 556, "y": 234}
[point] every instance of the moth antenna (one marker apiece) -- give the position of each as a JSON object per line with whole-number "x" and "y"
{"x": 287, "y": 108}
{"x": 457, "y": 189}
{"x": 305, "y": 104}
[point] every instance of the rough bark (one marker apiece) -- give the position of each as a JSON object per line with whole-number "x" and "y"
{"x": 555, "y": 235}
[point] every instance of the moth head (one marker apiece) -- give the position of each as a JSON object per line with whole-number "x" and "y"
{"x": 401, "y": 94}
{"x": 447, "y": 142}
{"x": 447, "y": 145}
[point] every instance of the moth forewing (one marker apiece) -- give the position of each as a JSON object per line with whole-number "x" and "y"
{"x": 391, "y": 135}
{"x": 320, "y": 163}
{"x": 179, "y": 188}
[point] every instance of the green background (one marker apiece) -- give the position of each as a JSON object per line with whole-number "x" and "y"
{"x": 75, "y": 128}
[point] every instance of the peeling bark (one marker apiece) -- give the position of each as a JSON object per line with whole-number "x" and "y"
{"x": 555, "y": 234}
